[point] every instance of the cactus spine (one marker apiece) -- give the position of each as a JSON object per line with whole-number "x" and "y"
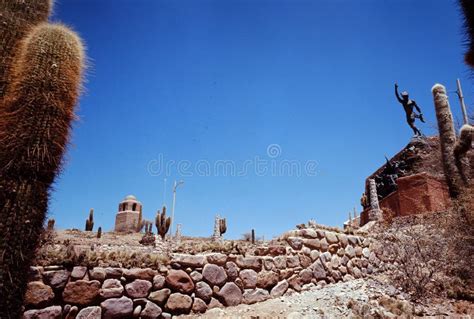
{"x": 162, "y": 223}
{"x": 447, "y": 137}
{"x": 90, "y": 221}
{"x": 40, "y": 74}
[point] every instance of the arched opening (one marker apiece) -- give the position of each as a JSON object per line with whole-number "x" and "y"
{"x": 134, "y": 207}
{"x": 124, "y": 206}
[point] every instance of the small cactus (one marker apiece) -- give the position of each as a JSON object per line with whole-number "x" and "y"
{"x": 222, "y": 226}
{"x": 253, "y": 236}
{"x": 140, "y": 222}
{"x": 90, "y": 221}
{"x": 99, "y": 232}
{"x": 162, "y": 223}
{"x": 50, "y": 225}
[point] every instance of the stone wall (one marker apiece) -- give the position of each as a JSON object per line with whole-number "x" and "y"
{"x": 302, "y": 259}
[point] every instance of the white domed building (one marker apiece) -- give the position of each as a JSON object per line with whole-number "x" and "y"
{"x": 128, "y": 215}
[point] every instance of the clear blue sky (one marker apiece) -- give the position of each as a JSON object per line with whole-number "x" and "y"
{"x": 222, "y": 80}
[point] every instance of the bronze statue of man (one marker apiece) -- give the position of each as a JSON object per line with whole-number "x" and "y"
{"x": 408, "y": 106}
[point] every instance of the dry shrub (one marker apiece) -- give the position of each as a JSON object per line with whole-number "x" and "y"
{"x": 431, "y": 254}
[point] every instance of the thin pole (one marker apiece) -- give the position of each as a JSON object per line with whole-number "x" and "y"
{"x": 176, "y": 184}
{"x": 461, "y": 100}
{"x": 164, "y": 192}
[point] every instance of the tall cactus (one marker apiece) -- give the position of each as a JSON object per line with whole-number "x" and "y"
{"x": 162, "y": 223}
{"x": 222, "y": 226}
{"x": 462, "y": 146}
{"x": 40, "y": 74}
{"x": 90, "y": 221}
{"x": 447, "y": 137}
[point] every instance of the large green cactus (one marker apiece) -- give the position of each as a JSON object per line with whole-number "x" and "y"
{"x": 162, "y": 223}
{"x": 40, "y": 74}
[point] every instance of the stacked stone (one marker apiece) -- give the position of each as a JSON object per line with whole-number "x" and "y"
{"x": 196, "y": 283}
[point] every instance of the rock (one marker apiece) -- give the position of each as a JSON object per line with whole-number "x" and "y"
{"x": 252, "y": 296}
{"x": 151, "y": 311}
{"x": 309, "y": 233}
{"x": 305, "y": 261}
{"x": 295, "y": 283}
{"x": 268, "y": 263}
{"x": 138, "y": 288}
{"x": 214, "y": 275}
{"x": 158, "y": 282}
{"x": 186, "y": 260}
{"x": 34, "y": 274}
{"x": 111, "y": 288}
{"x": 366, "y": 252}
{"x": 117, "y": 308}
{"x": 342, "y": 270}
{"x": 203, "y": 291}
{"x": 341, "y": 252}
{"x": 314, "y": 255}
{"x": 38, "y": 294}
{"x": 160, "y": 296}
{"x": 113, "y": 272}
{"x": 333, "y": 248}
{"x": 93, "y": 312}
{"x": 350, "y": 252}
{"x": 306, "y": 275}
{"x": 254, "y": 263}
{"x": 214, "y": 303}
{"x": 319, "y": 272}
{"x": 285, "y": 273}
{"x": 344, "y": 260}
{"x": 312, "y": 243}
{"x": 140, "y": 273}
{"x": 81, "y": 292}
{"x": 336, "y": 275}
{"x": 165, "y": 315}
{"x": 292, "y": 261}
{"x": 280, "y": 262}
{"x": 230, "y": 294}
{"x": 321, "y": 233}
{"x": 358, "y": 251}
{"x": 53, "y": 312}
{"x": 78, "y": 272}
{"x": 232, "y": 270}
{"x": 326, "y": 257}
{"x": 178, "y": 303}
{"x": 217, "y": 258}
{"x": 137, "y": 311}
{"x": 71, "y": 312}
{"x": 331, "y": 238}
{"x": 353, "y": 240}
{"x": 306, "y": 251}
{"x": 180, "y": 281}
{"x": 267, "y": 279}
{"x": 335, "y": 261}
{"x": 295, "y": 242}
{"x": 199, "y": 306}
{"x": 196, "y": 276}
{"x": 276, "y": 250}
{"x": 342, "y": 240}
{"x": 57, "y": 279}
{"x": 324, "y": 244}
{"x": 249, "y": 278}
{"x": 97, "y": 273}
{"x": 279, "y": 289}
{"x": 347, "y": 277}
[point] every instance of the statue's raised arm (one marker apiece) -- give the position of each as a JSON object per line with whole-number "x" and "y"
{"x": 396, "y": 93}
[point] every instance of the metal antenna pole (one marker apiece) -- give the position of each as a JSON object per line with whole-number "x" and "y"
{"x": 164, "y": 192}
{"x": 176, "y": 184}
{"x": 461, "y": 100}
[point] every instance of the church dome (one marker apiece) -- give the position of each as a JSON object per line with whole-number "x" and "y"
{"x": 130, "y": 197}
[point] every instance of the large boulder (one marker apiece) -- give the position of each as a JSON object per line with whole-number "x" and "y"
{"x": 138, "y": 288}
{"x": 252, "y": 296}
{"x": 140, "y": 273}
{"x": 319, "y": 271}
{"x": 78, "y": 272}
{"x": 232, "y": 270}
{"x": 53, "y": 312}
{"x": 249, "y": 278}
{"x": 57, "y": 279}
{"x": 180, "y": 281}
{"x": 331, "y": 238}
{"x": 97, "y": 273}
{"x": 230, "y": 294}
{"x": 251, "y": 262}
{"x": 179, "y": 303}
{"x": 151, "y": 311}
{"x": 38, "y": 294}
{"x": 93, "y": 312}
{"x": 81, "y": 292}
{"x": 203, "y": 291}
{"x": 185, "y": 260}
{"x": 111, "y": 288}
{"x": 115, "y": 308}
{"x": 267, "y": 279}
{"x": 280, "y": 289}
{"x": 214, "y": 275}
{"x": 295, "y": 242}
{"x": 160, "y": 296}
{"x": 199, "y": 306}
{"x": 217, "y": 258}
